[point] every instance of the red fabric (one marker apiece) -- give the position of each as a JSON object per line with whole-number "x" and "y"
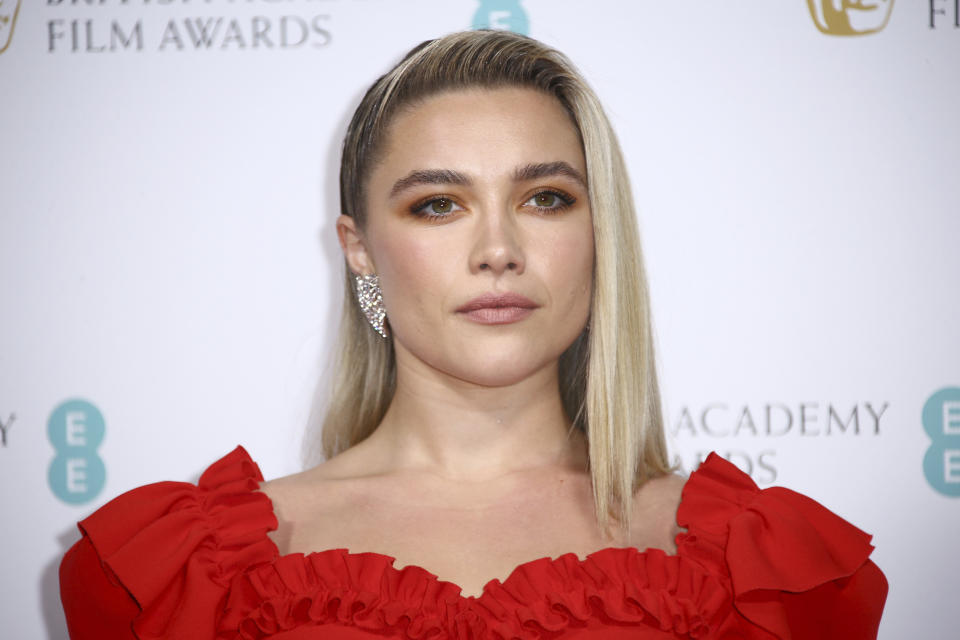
{"x": 174, "y": 560}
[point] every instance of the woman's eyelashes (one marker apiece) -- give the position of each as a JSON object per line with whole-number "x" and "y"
{"x": 546, "y": 201}
{"x": 550, "y": 201}
{"x": 435, "y": 207}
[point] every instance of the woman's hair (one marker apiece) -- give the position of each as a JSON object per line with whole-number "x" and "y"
{"x": 608, "y": 381}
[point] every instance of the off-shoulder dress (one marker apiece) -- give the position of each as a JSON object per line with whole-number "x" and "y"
{"x": 175, "y": 560}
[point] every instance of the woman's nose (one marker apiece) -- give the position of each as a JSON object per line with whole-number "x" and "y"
{"x": 497, "y": 248}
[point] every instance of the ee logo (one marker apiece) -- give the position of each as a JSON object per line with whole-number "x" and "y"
{"x": 941, "y": 421}
{"x": 505, "y": 15}
{"x": 76, "y": 473}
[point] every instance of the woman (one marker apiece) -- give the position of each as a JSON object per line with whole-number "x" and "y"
{"x": 496, "y": 465}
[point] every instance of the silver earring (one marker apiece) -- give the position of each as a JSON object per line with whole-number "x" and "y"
{"x": 370, "y": 298}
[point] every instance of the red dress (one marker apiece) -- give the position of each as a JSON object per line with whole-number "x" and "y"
{"x": 174, "y": 560}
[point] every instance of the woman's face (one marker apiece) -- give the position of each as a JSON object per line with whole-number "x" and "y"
{"x": 479, "y": 226}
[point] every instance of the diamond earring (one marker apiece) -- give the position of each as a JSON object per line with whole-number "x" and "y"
{"x": 370, "y": 298}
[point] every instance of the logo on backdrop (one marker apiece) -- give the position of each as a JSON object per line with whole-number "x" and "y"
{"x": 5, "y": 427}
{"x": 850, "y": 17}
{"x": 938, "y": 13}
{"x": 941, "y": 421}
{"x": 748, "y": 435}
{"x": 210, "y": 26}
{"x": 9, "y": 9}
{"x": 76, "y": 474}
{"x": 506, "y": 15}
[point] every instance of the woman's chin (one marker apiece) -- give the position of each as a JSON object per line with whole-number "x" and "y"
{"x": 500, "y": 360}
{"x": 497, "y": 372}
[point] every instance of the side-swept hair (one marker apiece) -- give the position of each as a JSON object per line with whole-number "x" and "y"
{"x": 608, "y": 380}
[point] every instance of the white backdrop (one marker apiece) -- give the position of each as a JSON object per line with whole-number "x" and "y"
{"x": 167, "y": 251}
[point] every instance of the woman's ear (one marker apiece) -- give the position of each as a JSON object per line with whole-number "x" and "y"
{"x": 352, "y": 244}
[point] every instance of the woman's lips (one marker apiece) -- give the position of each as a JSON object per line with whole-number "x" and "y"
{"x": 498, "y": 315}
{"x": 498, "y": 308}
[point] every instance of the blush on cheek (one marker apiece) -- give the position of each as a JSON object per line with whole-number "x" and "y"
{"x": 574, "y": 267}
{"x": 398, "y": 256}
{"x": 410, "y": 278}
{"x": 573, "y": 263}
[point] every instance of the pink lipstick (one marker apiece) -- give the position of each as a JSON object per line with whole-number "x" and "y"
{"x": 498, "y": 308}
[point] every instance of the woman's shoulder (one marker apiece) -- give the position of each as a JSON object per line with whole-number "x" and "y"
{"x": 168, "y": 546}
{"x": 654, "y": 512}
{"x": 326, "y": 487}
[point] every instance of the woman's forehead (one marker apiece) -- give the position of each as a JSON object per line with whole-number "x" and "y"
{"x": 482, "y": 131}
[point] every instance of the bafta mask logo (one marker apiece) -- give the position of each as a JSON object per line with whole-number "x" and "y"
{"x": 8, "y": 20}
{"x": 507, "y": 15}
{"x": 850, "y": 17}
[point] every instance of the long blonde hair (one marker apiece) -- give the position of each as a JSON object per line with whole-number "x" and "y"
{"x": 608, "y": 380}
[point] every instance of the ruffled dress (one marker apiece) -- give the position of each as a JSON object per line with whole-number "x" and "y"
{"x": 176, "y": 560}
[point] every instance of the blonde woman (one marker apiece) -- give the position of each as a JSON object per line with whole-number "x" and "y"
{"x": 495, "y": 458}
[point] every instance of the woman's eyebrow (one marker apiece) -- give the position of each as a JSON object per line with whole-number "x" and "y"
{"x": 429, "y": 176}
{"x": 547, "y": 170}
{"x": 525, "y": 173}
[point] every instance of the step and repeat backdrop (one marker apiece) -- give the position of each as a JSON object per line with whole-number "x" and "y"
{"x": 170, "y": 278}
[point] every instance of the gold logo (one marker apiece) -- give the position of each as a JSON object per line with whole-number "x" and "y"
{"x": 850, "y": 17}
{"x": 8, "y": 20}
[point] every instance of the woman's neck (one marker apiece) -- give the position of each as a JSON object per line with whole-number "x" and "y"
{"x": 467, "y": 432}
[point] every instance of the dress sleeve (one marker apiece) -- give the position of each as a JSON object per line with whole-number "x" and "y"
{"x": 156, "y": 561}
{"x": 95, "y": 605}
{"x": 795, "y": 569}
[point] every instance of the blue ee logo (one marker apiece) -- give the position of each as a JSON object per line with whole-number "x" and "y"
{"x": 506, "y": 15}
{"x": 941, "y": 421}
{"x": 76, "y": 474}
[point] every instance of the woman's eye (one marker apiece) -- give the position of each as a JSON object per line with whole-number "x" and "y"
{"x": 550, "y": 201}
{"x": 435, "y": 208}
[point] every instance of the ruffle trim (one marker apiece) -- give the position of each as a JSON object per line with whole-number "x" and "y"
{"x": 176, "y": 547}
{"x": 538, "y": 599}
{"x": 767, "y": 543}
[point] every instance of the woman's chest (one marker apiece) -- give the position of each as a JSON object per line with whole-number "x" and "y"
{"x": 467, "y": 545}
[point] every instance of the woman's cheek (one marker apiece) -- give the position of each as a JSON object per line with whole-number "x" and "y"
{"x": 572, "y": 261}
{"x": 409, "y": 273}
